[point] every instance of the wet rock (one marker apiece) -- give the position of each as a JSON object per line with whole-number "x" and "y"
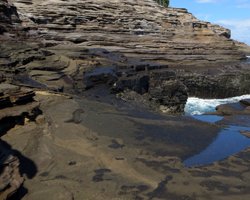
{"x": 138, "y": 83}
{"x": 170, "y": 94}
{"x": 245, "y": 133}
{"x": 215, "y": 82}
{"x": 104, "y": 75}
{"x": 245, "y": 102}
{"x": 240, "y": 108}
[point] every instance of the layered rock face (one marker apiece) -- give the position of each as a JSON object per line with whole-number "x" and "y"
{"x": 16, "y": 108}
{"x": 135, "y": 38}
{"x": 137, "y": 29}
{"x": 67, "y": 40}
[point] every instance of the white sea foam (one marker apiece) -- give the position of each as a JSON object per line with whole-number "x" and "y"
{"x": 197, "y": 106}
{"x": 248, "y": 59}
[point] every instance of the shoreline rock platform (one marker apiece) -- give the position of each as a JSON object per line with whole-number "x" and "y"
{"x": 82, "y": 88}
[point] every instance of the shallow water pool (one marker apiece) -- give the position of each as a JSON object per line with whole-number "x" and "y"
{"x": 229, "y": 140}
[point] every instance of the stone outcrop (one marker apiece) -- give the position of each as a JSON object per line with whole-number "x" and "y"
{"x": 66, "y": 42}
{"x": 168, "y": 92}
{"x": 137, "y": 29}
{"x": 146, "y": 53}
{"x": 8, "y": 16}
{"x": 240, "y": 108}
{"x": 17, "y": 106}
{"x": 244, "y": 48}
{"x": 226, "y": 81}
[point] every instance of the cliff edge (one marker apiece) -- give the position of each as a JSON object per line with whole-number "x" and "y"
{"x": 135, "y": 28}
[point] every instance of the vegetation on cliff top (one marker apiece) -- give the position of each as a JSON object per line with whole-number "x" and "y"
{"x": 164, "y": 3}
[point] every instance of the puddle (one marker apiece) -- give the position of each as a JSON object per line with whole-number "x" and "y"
{"x": 208, "y": 118}
{"x": 228, "y": 142}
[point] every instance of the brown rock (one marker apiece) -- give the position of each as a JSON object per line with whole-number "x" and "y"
{"x": 22, "y": 96}
{"x": 10, "y": 178}
{"x": 245, "y": 133}
{"x": 233, "y": 109}
{"x": 139, "y": 29}
{"x": 245, "y": 102}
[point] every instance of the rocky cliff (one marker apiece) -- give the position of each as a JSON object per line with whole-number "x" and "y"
{"x": 17, "y": 107}
{"x": 136, "y": 28}
{"x": 147, "y": 55}
{"x": 127, "y": 41}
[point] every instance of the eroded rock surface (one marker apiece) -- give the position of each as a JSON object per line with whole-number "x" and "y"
{"x": 17, "y": 107}
{"x": 140, "y": 29}
{"x": 65, "y": 42}
{"x": 96, "y": 146}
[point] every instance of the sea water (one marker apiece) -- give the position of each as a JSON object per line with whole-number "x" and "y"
{"x": 229, "y": 140}
{"x": 197, "y": 106}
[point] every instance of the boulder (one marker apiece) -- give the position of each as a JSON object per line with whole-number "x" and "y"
{"x": 138, "y": 83}
{"x": 103, "y": 75}
{"x": 171, "y": 95}
{"x": 240, "y": 108}
{"x": 245, "y": 102}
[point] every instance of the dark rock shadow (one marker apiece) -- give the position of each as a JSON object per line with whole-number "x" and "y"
{"x": 21, "y": 192}
{"x": 26, "y": 167}
{"x": 10, "y": 122}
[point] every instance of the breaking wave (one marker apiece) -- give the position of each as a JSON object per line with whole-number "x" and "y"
{"x": 197, "y": 106}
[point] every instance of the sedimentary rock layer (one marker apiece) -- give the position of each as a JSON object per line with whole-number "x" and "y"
{"x": 17, "y": 106}
{"x": 135, "y": 28}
